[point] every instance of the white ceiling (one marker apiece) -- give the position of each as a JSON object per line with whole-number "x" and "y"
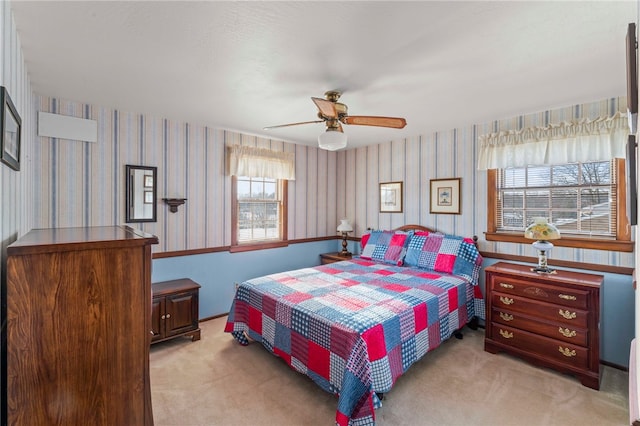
{"x": 246, "y": 65}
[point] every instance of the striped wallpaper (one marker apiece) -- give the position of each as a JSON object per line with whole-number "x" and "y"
{"x": 82, "y": 184}
{"x": 449, "y": 154}
{"x": 16, "y": 193}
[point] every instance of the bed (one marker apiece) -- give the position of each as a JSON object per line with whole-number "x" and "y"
{"x": 357, "y": 325}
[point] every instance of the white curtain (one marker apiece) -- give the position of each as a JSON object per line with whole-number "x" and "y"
{"x": 601, "y": 139}
{"x": 257, "y": 162}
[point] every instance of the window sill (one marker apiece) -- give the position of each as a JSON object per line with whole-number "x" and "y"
{"x": 584, "y": 243}
{"x": 258, "y": 246}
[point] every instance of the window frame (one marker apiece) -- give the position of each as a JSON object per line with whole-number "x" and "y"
{"x": 622, "y": 241}
{"x": 258, "y": 245}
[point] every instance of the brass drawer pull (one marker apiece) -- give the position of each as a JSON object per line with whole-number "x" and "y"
{"x": 566, "y": 351}
{"x": 505, "y": 285}
{"x": 566, "y": 314}
{"x": 566, "y": 332}
{"x": 567, "y": 297}
{"x": 506, "y": 334}
{"x": 506, "y": 300}
{"x": 506, "y": 317}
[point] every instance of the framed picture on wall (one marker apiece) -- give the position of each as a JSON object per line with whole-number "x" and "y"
{"x": 148, "y": 181}
{"x": 10, "y": 125}
{"x": 391, "y": 197}
{"x": 445, "y": 196}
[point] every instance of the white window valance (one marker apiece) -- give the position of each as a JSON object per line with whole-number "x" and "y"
{"x": 257, "y": 162}
{"x": 601, "y": 139}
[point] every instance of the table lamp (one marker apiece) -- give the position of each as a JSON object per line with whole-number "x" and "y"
{"x": 542, "y": 231}
{"x": 344, "y": 228}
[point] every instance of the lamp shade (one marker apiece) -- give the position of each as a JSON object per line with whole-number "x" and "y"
{"x": 541, "y": 230}
{"x": 332, "y": 140}
{"x": 345, "y": 226}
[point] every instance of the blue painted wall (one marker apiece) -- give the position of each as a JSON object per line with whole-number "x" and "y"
{"x": 218, "y": 272}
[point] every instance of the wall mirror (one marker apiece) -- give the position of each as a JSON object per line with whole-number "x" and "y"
{"x": 141, "y": 194}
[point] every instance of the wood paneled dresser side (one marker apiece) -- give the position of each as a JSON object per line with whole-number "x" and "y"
{"x": 551, "y": 320}
{"x": 78, "y": 327}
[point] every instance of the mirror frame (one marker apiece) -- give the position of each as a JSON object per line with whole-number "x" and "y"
{"x": 129, "y": 216}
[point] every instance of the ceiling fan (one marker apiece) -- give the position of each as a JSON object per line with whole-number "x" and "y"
{"x": 334, "y": 114}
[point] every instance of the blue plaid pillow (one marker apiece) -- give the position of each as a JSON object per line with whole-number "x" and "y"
{"x": 444, "y": 253}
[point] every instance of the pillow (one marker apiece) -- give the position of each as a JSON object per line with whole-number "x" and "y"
{"x": 385, "y": 246}
{"x": 469, "y": 261}
{"x": 423, "y": 252}
{"x": 364, "y": 239}
{"x": 444, "y": 253}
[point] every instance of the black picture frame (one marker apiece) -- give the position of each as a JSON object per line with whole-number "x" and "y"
{"x": 11, "y": 126}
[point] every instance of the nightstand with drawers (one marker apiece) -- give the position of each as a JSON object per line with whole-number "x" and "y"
{"x": 551, "y": 320}
{"x": 326, "y": 258}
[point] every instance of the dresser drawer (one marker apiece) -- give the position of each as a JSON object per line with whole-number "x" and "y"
{"x": 556, "y": 313}
{"x": 547, "y": 293}
{"x": 564, "y": 332}
{"x": 559, "y": 351}
{"x": 549, "y": 319}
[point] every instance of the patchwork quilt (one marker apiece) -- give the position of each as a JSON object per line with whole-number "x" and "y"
{"x": 354, "y": 326}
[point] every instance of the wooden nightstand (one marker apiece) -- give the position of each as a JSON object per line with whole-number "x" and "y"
{"x": 174, "y": 311}
{"x": 326, "y": 258}
{"x": 551, "y": 320}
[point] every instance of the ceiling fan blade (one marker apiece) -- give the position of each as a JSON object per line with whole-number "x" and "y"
{"x": 327, "y": 108}
{"x": 365, "y": 120}
{"x": 292, "y": 124}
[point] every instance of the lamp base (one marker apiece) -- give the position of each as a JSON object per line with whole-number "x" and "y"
{"x": 542, "y": 247}
{"x": 344, "y": 251}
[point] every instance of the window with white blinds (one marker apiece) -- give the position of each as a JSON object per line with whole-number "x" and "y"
{"x": 579, "y": 198}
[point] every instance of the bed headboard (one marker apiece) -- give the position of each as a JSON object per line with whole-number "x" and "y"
{"x": 414, "y": 228}
{"x": 424, "y": 228}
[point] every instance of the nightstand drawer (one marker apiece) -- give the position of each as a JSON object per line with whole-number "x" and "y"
{"x": 551, "y": 294}
{"x": 564, "y": 332}
{"x": 548, "y": 311}
{"x": 556, "y": 350}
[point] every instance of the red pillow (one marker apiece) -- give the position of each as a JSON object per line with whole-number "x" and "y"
{"x": 364, "y": 239}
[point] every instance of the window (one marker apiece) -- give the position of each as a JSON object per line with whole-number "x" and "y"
{"x": 586, "y": 201}
{"x": 259, "y": 212}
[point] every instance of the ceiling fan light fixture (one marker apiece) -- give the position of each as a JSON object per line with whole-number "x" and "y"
{"x": 332, "y": 140}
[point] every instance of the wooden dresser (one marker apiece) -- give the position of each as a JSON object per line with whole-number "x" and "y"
{"x": 78, "y": 327}
{"x": 548, "y": 319}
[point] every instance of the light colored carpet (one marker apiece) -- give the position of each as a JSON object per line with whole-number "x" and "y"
{"x": 216, "y": 381}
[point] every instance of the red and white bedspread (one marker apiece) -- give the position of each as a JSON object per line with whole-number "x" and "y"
{"x": 354, "y": 326}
